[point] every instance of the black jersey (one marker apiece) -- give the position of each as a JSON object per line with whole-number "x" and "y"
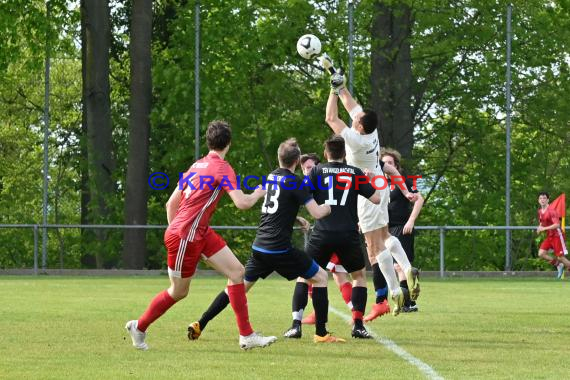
{"x": 331, "y": 186}
{"x": 400, "y": 208}
{"x": 285, "y": 194}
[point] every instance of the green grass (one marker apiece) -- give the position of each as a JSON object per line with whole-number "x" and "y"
{"x": 64, "y": 327}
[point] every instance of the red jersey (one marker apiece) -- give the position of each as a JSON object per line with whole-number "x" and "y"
{"x": 548, "y": 218}
{"x": 200, "y": 196}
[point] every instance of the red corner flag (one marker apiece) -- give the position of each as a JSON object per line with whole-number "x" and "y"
{"x": 559, "y": 204}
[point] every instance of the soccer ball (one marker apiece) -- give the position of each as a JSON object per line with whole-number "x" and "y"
{"x": 308, "y": 46}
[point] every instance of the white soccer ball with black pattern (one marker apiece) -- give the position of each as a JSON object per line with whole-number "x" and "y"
{"x": 308, "y": 46}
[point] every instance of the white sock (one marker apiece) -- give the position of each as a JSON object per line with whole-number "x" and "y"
{"x": 349, "y": 305}
{"x": 298, "y": 315}
{"x": 386, "y": 264}
{"x": 395, "y": 248}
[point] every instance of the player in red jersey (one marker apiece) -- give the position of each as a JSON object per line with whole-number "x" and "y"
{"x": 189, "y": 237}
{"x": 550, "y": 222}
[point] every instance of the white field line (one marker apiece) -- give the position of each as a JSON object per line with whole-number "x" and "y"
{"x": 429, "y": 372}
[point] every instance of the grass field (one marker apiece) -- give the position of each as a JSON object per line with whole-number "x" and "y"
{"x": 65, "y": 327}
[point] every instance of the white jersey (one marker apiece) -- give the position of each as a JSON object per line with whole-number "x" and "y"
{"x": 362, "y": 151}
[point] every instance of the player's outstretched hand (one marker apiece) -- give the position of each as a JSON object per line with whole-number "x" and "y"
{"x": 368, "y": 173}
{"x": 338, "y": 82}
{"x": 327, "y": 63}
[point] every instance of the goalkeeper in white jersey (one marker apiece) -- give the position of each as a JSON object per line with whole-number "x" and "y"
{"x": 363, "y": 151}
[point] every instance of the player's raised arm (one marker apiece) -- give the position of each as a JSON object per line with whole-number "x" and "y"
{"x": 348, "y": 101}
{"x": 331, "y": 118}
{"x": 316, "y": 210}
{"x": 246, "y": 201}
{"x": 393, "y": 172}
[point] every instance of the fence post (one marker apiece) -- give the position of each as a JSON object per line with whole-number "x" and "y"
{"x": 35, "y": 250}
{"x": 441, "y": 252}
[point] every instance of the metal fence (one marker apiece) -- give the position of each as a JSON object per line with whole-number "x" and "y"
{"x": 40, "y": 261}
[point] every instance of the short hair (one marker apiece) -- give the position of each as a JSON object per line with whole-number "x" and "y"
{"x": 218, "y": 135}
{"x": 369, "y": 121}
{"x": 394, "y": 154}
{"x": 544, "y": 193}
{"x": 310, "y": 156}
{"x": 334, "y": 146}
{"x": 288, "y": 152}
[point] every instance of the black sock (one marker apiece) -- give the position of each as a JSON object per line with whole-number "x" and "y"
{"x": 359, "y": 294}
{"x": 321, "y": 306}
{"x": 218, "y": 304}
{"x": 380, "y": 285}
{"x": 300, "y": 299}
{"x": 407, "y": 300}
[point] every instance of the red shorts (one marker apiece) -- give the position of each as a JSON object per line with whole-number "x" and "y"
{"x": 183, "y": 255}
{"x": 555, "y": 243}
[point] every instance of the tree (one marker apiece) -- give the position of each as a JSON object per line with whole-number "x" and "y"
{"x": 96, "y": 31}
{"x": 136, "y": 197}
{"x": 391, "y": 74}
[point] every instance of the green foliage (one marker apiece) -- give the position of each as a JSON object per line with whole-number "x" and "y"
{"x": 251, "y": 76}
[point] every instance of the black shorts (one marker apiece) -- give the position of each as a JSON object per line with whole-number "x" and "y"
{"x": 407, "y": 240}
{"x": 346, "y": 245}
{"x": 291, "y": 264}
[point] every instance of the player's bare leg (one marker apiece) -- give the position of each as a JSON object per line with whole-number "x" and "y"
{"x": 159, "y": 305}
{"x": 397, "y": 251}
{"x": 377, "y": 253}
{"x": 545, "y": 255}
{"x": 564, "y": 262}
{"x": 225, "y": 262}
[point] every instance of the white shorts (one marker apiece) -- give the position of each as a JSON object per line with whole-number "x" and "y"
{"x": 370, "y": 216}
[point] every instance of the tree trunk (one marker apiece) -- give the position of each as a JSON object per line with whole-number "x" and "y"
{"x": 134, "y": 249}
{"x": 87, "y": 256}
{"x": 391, "y": 75}
{"x": 97, "y": 109}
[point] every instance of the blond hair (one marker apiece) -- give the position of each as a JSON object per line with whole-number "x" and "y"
{"x": 394, "y": 154}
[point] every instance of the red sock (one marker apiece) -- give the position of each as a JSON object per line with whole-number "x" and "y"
{"x": 311, "y": 290}
{"x": 357, "y": 315}
{"x": 238, "y": 300}
{"x": 158, "y": 306}
{"x": 346, "y": 290}
{"x": 554, "y": 262}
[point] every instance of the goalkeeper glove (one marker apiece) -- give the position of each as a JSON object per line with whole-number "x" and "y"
{"x": 327, "y": 63}
{"x": 338, "y": 81}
